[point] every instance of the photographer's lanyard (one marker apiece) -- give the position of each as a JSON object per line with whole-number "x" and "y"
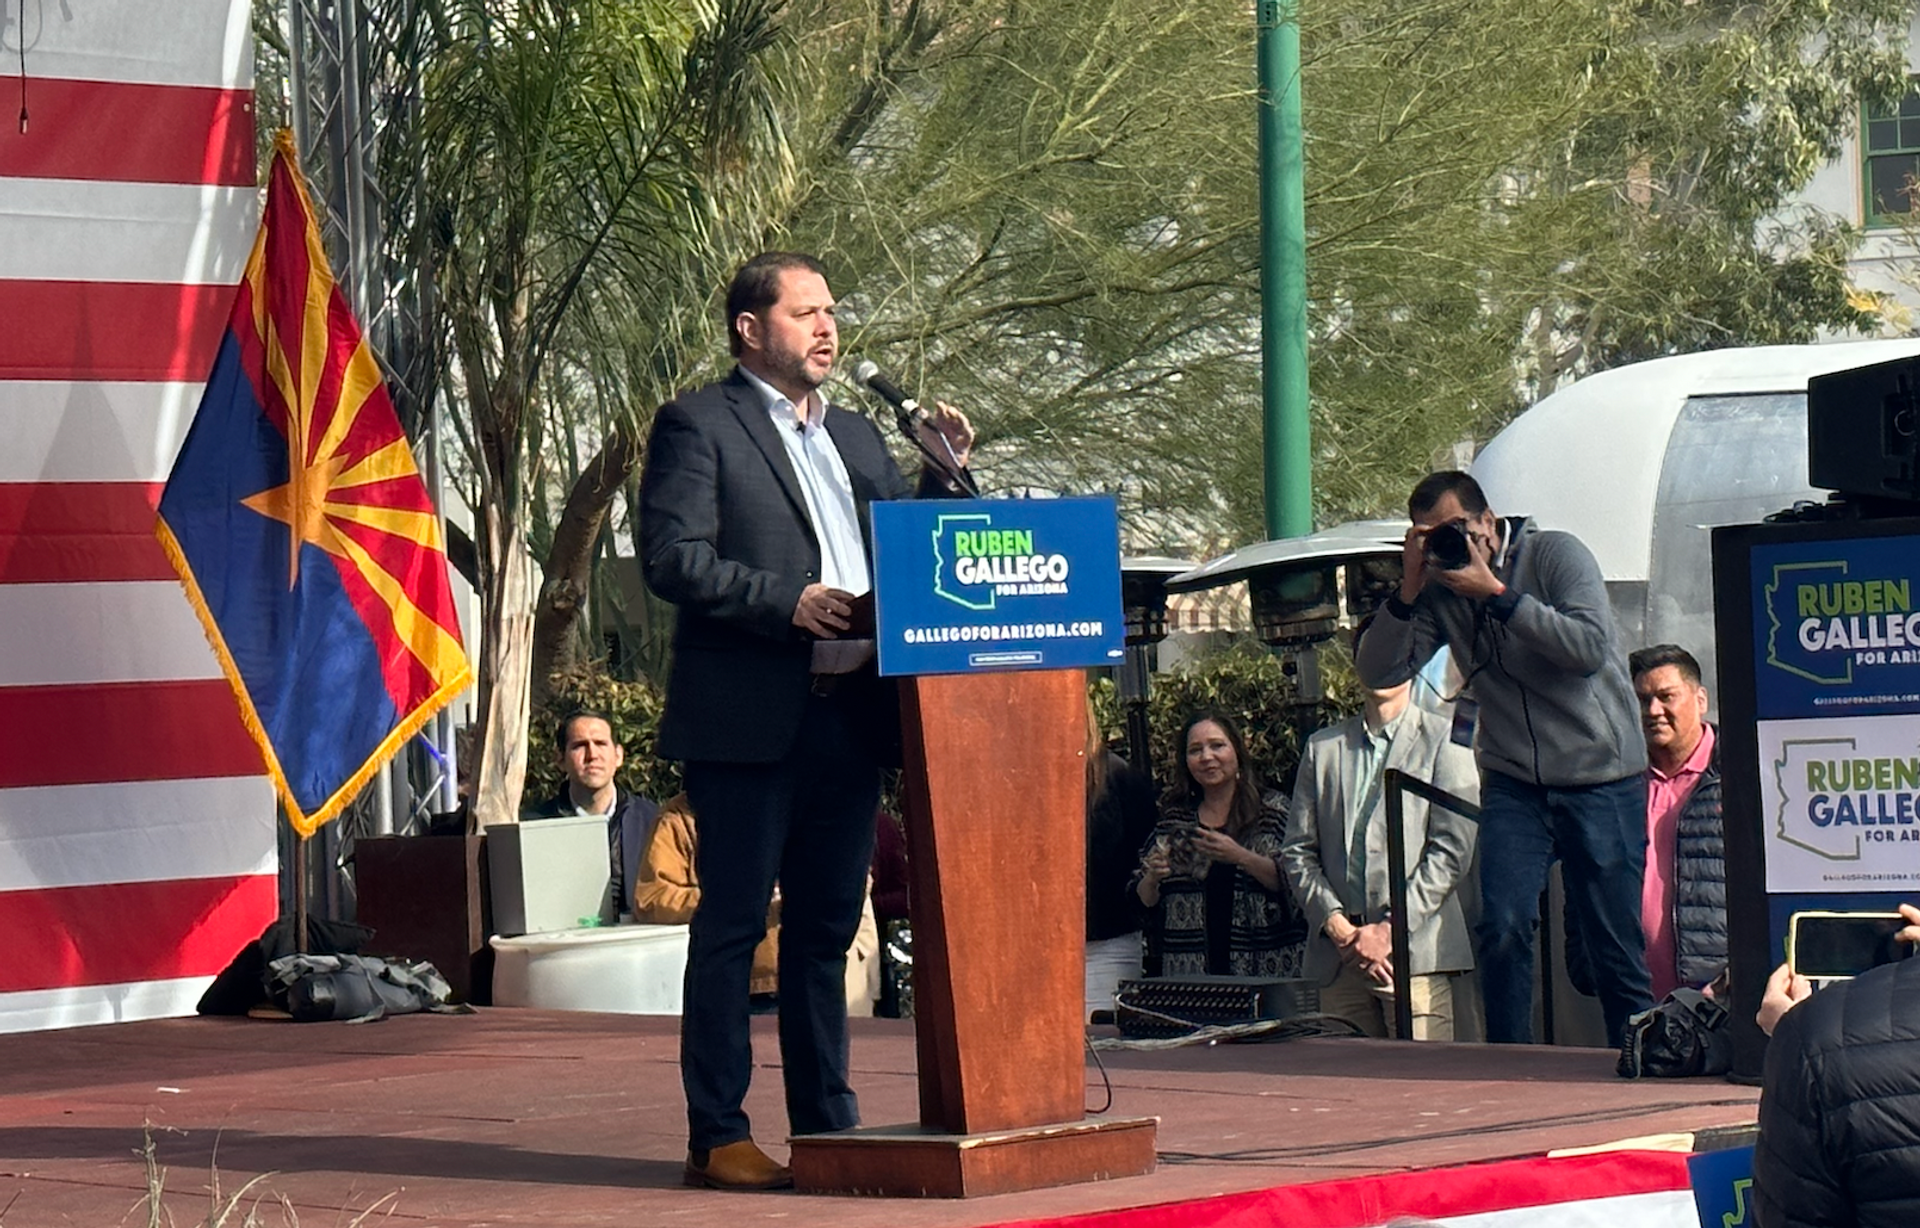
{"x": 1509, "y": 553}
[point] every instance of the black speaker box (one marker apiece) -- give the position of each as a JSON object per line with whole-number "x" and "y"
{"x": 1861, "y": 436}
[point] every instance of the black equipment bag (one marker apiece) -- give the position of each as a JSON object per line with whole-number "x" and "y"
{"x": 1685, "y": 1035}
{"x": 244, "y": 983}
{"x": 358, "y": 988}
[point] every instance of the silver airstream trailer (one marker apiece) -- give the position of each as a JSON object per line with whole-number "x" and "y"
{"x": 1642, "y": 461}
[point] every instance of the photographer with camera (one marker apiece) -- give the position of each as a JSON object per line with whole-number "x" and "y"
{"x": 1561, "y": 755}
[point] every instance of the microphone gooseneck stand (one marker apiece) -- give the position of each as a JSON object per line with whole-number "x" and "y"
{"x": 908, "y": 414}
{"x": 949, "y": 465}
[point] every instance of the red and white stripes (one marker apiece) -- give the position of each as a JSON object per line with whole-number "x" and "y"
{"x": 136, "y": 827}
{"x": 1607, "y": 1189}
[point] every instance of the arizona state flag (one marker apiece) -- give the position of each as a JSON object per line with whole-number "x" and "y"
{"x": 300, "y": 527}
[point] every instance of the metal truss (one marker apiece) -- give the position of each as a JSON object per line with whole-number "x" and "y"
{"x": 354, "y": 106}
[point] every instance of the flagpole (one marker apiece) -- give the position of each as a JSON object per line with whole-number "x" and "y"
{"x": 300, "y": 864}
{"x": 436, "y": 479}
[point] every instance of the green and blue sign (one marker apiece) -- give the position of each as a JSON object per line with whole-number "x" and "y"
{"x": 1723, "y": 1187}
{"x": 1836, "y": 627}
{"x": 1836, "y": 674}
{"x": 990, "y": 584}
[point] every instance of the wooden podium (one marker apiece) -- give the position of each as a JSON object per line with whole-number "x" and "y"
{"x": 995, "y": 800}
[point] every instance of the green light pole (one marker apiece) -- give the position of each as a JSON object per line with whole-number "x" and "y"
{"x": 1283, "y": 275}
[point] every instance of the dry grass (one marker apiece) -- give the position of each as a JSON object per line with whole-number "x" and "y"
{"x": 250, "y": 1206}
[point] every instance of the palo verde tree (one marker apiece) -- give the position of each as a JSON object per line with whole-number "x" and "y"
{"x": 1051, "y": 214}
{"x": 582, "y": 164}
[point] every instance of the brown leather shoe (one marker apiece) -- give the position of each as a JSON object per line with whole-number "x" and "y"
{"x": 738, "y": 1166}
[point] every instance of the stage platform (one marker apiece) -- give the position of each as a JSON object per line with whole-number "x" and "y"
{"x": 514, "y": 1118}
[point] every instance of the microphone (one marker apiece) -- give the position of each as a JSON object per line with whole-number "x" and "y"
{"x": 867, "y": 374}
{"x": 912, "y": 417}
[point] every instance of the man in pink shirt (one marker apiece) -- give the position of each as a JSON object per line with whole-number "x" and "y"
{"x": 1683, "y": 903}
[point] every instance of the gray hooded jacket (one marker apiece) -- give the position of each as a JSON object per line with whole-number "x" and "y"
{"x": 1543, "y": 661}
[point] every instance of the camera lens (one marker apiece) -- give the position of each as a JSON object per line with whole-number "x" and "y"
{"x": 1447, "y": 546}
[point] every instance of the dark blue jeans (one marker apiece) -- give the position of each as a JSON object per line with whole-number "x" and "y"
{"x": 807, "y": 821}
{"x": 1598, "y": 833}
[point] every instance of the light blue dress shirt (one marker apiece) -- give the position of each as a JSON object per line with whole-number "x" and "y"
{"x": 828, "y": 492}
{"x": 1367, "y": 760}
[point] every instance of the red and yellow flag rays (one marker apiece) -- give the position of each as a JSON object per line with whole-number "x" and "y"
{"x": 341, "y": 659}
{"x": 352, "y": 489}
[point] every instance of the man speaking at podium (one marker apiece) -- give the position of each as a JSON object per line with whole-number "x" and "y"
{"x": 753, "y": 522}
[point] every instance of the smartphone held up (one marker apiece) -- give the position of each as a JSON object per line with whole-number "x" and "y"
{"x": 1834, "y": 946}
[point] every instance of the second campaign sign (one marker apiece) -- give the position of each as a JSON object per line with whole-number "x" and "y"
{"x": 1837, "y": 692}
{"x": 978, "y": 584}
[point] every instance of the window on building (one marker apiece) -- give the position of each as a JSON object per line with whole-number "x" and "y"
{"x": 1893, "y": 161}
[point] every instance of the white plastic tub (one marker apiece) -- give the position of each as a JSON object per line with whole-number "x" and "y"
{"x": 624, "y": 969}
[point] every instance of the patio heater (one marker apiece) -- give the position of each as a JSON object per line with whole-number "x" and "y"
{"x": 1305, "y": 591}
{"x": 1143, "y": 595}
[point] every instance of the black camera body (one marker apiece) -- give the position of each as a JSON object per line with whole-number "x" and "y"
{"x": 1447, "y": 548}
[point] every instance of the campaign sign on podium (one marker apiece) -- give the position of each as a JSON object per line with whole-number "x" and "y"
{"x": 965, "y": 585}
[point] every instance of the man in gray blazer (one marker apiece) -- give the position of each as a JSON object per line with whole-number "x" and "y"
{"x": 753, "y": 523}
{"x": 1334, "y": 858}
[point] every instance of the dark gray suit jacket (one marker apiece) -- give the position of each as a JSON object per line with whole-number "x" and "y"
{"x": 725, "y": 537}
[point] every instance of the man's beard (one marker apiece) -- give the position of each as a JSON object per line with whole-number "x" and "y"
{"x": 793, "y": 368}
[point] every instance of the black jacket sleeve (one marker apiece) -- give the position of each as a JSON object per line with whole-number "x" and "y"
{"x": 680, "y": 522}
{"x": 1794, "y": 1185}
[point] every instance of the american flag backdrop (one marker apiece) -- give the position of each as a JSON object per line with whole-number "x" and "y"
{"x": 137, "y": 839}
